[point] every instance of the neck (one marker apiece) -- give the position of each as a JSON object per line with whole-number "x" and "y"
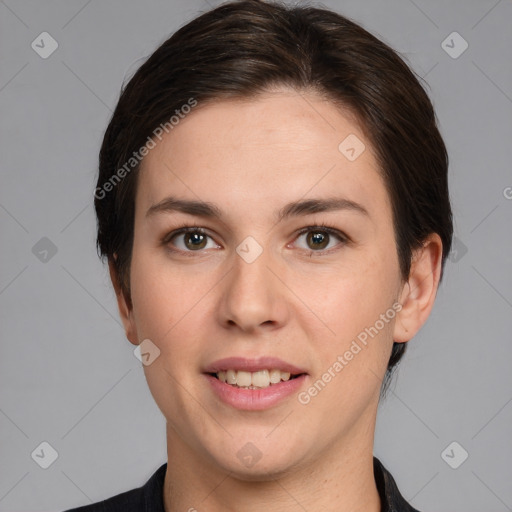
{"x": 339, "y": 480}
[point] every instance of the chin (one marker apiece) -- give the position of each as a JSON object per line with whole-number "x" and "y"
{"x": 260, "y": 472}
{"x": 250, "y": 464}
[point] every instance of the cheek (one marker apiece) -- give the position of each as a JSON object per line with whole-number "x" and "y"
{"x": 160, "y": 295}
{"x": 352, "y": 358}
{"x": 171, "y": 306}
{"x": 163, "y": 310}
{"x": 350, "y": 303}
{"x": 352, "y": 296}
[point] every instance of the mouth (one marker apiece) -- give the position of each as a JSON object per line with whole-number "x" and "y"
{"x": 254, "y": 384}
{"x": 260, "y": 379}
{"x": 259, "y": 373}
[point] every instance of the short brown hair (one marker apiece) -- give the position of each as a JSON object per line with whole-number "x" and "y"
{"x": 243, "y": 48}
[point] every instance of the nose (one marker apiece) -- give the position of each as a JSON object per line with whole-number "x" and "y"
{"x": 252, "y": 297}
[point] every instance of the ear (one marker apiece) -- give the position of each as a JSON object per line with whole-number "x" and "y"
{"x": 124, "y": 304}
{"x": 419, "y": 292}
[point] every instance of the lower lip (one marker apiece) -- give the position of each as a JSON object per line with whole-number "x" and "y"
{"x": 255, "y": 399}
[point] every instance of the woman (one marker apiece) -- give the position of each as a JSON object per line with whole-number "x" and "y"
{"x": 273, "y": 205}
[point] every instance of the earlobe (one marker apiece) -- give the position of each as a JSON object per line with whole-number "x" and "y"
{"x": 419, "y": 292}
{"x": 124, "y": 305}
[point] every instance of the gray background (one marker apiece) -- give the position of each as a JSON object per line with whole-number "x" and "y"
{"x": 67, "y": 374}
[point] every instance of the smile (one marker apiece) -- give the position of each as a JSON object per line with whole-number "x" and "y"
{"x": 254, "y": 380}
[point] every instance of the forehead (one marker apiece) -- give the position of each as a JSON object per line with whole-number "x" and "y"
{"x": 275, "y": 147}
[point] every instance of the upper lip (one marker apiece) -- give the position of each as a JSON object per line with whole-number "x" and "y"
{"x": 253, "y": 365}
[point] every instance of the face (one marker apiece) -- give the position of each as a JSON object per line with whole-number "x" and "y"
{"x": 289, "y": 268}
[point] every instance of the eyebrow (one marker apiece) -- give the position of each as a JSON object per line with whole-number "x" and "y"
{"x": 293, "y": 209}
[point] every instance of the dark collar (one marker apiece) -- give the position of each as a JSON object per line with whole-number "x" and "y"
{"x": 390, "y": 497}
{"x": 149, "y": 497}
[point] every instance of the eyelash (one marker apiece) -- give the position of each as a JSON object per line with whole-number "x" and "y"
{"x": 322, "y": 227}
{"x": 332, "y": 231}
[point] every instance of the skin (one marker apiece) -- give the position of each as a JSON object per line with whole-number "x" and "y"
{"x": 302, "y": 304}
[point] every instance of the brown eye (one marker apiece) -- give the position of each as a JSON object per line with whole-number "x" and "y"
{"x": 194, "y": 241}
{"x": 317, "y": 239}
{"x": 189, "y": 239}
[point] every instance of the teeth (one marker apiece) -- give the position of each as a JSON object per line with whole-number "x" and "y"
{"x": 275, "y": 376}
{"x": 253, "y": 380}
{"x": 259, "y": 379}
{"x": 231, "y": 377}
{"x": 243, "y": 379}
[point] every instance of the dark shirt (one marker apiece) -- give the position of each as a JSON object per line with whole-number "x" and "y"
{"x": 149, "y": 497}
